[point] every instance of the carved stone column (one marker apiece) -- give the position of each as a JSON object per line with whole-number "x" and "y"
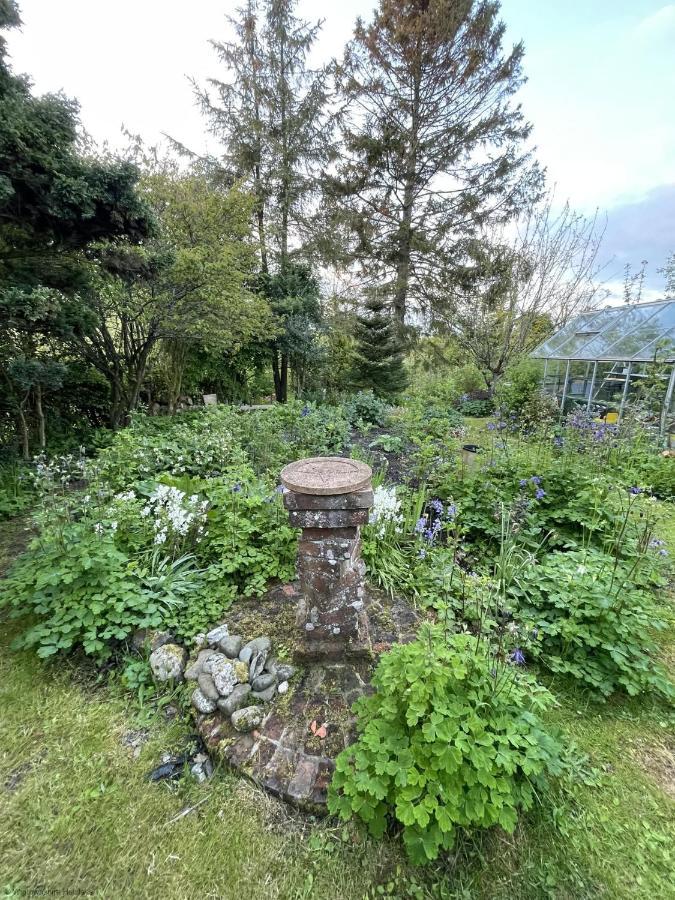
{"x": 329, "y": 498}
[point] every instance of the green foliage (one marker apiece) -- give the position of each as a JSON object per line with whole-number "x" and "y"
{"x": 519, "y": 394}
{"x": 378, "y": 351}
{"x": 451, "y": 739}
{"x": 596, "y": 622}
{"x": 365, "y": 406}
{"x": 81, "y": 590}
{"x": 390, "y": 443}
{"x": 477, "y": 409}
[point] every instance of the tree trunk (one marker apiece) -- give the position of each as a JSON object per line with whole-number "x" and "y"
{"x": 40, "y": 417}
{"x": 284, "y": 377}
{"x": 276, "y": 373}
{"x": 23, "y": 427}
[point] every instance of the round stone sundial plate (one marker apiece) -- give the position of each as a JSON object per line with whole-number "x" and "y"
{"x": 325, "y": 475}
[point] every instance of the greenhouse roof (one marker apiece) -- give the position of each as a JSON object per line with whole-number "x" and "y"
{"x": 616, "y": 333}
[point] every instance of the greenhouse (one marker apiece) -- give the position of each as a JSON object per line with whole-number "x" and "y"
{"x": 604, "y": 359}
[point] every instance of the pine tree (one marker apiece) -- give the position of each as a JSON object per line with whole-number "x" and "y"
{"x": 433, "y": 142}
{"x": 272, "y": 119}
{"x": 378, "y": 355}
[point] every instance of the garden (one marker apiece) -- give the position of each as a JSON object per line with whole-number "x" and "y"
{"x": 319, "y": 577}
{"x": 530, "y": 718}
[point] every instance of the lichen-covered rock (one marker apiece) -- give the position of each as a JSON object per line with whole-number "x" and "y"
{"x": 207, "y": 686}
{"x": 263, "y": 681}
{"x": 151, "y": 639}
{"x": 284, "y": 672}
{"x": 224, "y": 677}
{"x": 199, "y": 640}
{"x": 258, "y": 644}
{"x": 201, "y": 703}
{"x": 217, "y": 634}
{"x": 236, "y": 700}
{"x": 248, "y": 718}
{"x": 212, "y": 662}
{"x": 168, "y": 662}
{"x": 241, "y": 671}
{"x": 231, "y": 645}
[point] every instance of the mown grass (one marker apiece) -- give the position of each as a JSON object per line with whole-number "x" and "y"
{"x": 77, "y": 813}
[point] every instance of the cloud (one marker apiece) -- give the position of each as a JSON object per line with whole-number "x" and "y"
{"x": 659, "y": 24}
{"x": 643, "y": 229}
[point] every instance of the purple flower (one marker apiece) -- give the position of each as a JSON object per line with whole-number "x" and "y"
{"x": 635, "y": 491}
{"x": 236, "y": 488}
{"x": 422, "y": 553}
{"x": 437, "y": 507}
{"x": 491, "y": 426}
{"x": 451, "y": 511}
{"x": 523, "y": 482}
{"x": 305, "y": 411}
{"x": 420, "y": 525}
{"x": 279, "y": 489}
{"x": 539, "y": 494}
{"x": 535, "y": 479}
{"x": 655, "y": 542}
{"x": 502, "y": 426}
{"x": 558, "y": 441}
{"x": 663, "y": 553}
{"x": 518, "y": 657}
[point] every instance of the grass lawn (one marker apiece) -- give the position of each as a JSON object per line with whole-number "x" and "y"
{"x": 77, "y": 814}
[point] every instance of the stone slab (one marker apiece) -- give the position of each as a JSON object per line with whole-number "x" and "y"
{"x": 355, "y": 500}
{"x": 326, "y": 475}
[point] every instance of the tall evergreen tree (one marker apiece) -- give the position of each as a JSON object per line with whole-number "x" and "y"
{"x": 378, "y": 354}
{"x": 434, "y": 143}
{"x": 271, "y": 117}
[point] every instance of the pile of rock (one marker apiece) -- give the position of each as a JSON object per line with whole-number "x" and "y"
{"x": 236, "y": 677}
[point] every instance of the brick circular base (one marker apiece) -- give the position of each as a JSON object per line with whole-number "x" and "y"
{"x": 292, "y": 753}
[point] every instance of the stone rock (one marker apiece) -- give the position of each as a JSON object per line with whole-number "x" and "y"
{"x": 231, "y": 645}
{"x": 201, "y": 703}
{"x": 199, "y": 640}
{"x": 168, "y": 662}
{"x": 213, "y": 660}
{"x": 271, "y": 665}
{"x": 257, "y": 663}
{"x": 247, "y": 719}
{"x": 285, "y": 671}
{"x": 224, "y": 677}
{"x": 266, "y": 695}
{"x": 236, "y": 700}
{"x": 217, "y": 634}
{"x": 245, "y": 654}
{"x": 240, "y": 671}
{"x": 152, "y": 639}
{"x": 283, "y": 687}
{"x": 196, "y": 667}
{"x": 263, "y": 681}
{"x": 207, "y": 686}
{"x": 261, "y": 643}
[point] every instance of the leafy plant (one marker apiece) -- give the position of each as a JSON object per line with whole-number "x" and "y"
{"x": 596, "y": 623}
{"x": 365, "y": 406}
{"x": 79, "y": 590}
{"x": 450, "y": 739}
{"x": 390, "y": 443}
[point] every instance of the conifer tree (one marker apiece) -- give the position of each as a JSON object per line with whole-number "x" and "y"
{"x": 378, "y": 355}
{"x": 434, "y": 144}
{"x": 271, "y": 117}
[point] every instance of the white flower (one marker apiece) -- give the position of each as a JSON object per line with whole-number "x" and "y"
{"x": 125, "y": 495}
{"x": 98, "y": 528}
{"x": 386, "y": 508}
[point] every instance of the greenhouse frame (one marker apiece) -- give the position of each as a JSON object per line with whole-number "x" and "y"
{"x": 602, "y": 359}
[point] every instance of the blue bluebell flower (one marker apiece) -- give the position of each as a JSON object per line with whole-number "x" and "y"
{"x": 518, "y": 657}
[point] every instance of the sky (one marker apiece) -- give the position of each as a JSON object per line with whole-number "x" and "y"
{"x": 600, "y": 89}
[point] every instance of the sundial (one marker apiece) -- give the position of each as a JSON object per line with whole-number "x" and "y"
{"x": 324, "y": 475}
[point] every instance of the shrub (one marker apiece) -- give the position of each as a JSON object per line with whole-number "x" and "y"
{"x": 595, "y": 622}
{"x": 80, "y": 591}
{"x": 477, "y": 409}
{"x": 364, "y": 406}
{"x": 450, "y": 739}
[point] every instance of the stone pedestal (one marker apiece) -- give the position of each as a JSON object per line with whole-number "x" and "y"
{"x": 329, "y": 498}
